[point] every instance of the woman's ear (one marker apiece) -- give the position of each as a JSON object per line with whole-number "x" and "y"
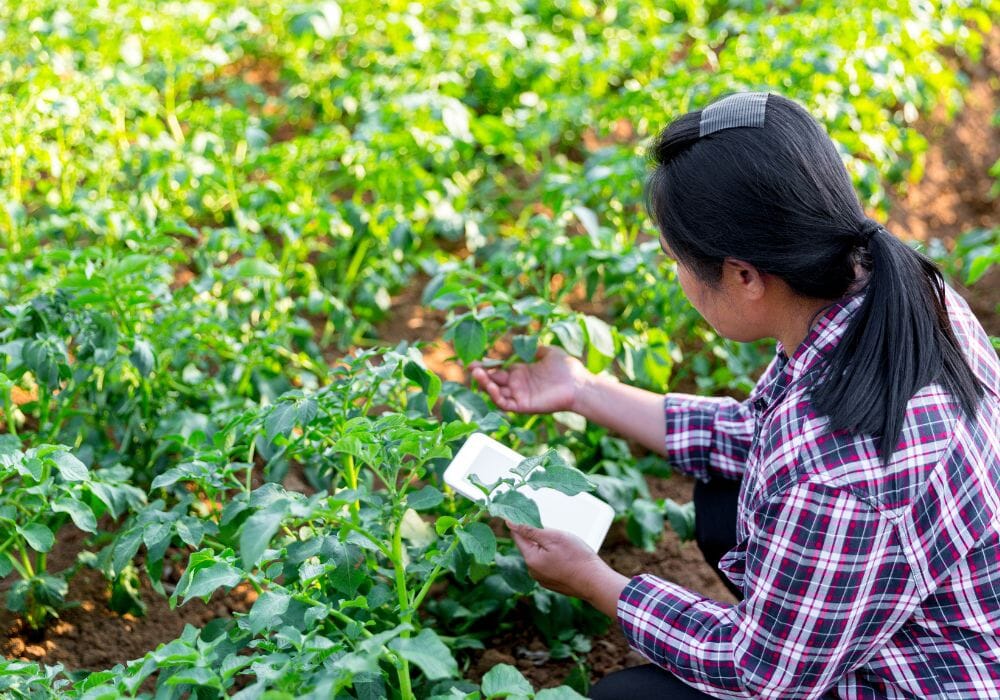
{"x": 743, "y": 279}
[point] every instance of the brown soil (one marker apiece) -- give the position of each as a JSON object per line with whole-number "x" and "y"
{"x": 955, "y": 194}
{"x": 413, "y": 322}
{"x": 89, "y": 635}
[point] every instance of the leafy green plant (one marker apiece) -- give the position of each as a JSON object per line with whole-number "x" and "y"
{"x": 975, "y": 253}
{"x": 42, "y": 490}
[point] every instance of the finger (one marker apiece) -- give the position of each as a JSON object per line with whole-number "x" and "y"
{"x": 485, "y": 381}
{"x": 500, "y": 376}
{"x": 524, "y": 545}
{"x": 479, "y": 374}
{"x": 499, "y": 399}
{"x": 527, "y": 532}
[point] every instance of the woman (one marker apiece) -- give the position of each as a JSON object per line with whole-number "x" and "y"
{"x": 866, "y": 545}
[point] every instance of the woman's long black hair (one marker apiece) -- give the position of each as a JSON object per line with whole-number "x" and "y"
{"x": 779, "y": 198}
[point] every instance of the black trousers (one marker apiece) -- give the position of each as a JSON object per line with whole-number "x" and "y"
{"x": 715, "y": 532}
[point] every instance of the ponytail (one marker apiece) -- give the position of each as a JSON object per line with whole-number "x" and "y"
{"x": 756, "y": 178}
{"x": 898, "y": 341}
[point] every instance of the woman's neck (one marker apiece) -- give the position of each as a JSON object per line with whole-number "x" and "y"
{"x": 795, "y": 321}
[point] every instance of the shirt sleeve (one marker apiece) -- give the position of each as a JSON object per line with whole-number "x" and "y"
{"x": 708, "y": 436}
{"x": 827, "y": 584}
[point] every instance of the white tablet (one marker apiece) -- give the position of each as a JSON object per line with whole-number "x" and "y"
{"x": 583, "y": 515}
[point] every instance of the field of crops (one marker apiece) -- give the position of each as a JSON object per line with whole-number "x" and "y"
{"x": 247, "y": 248}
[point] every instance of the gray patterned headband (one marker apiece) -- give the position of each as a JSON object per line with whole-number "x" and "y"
{"x": 743, "y": 109}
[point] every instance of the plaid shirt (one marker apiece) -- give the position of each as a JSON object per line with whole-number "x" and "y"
{"x": 860, "y": 581}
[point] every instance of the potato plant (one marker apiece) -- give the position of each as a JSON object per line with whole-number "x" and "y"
{"x": 42, "y": 491}
{"x": 349, "y": 567}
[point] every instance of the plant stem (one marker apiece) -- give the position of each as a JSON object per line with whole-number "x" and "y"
{"x": 17, "y": 565}
{"x": 397, "y": 660}
{"x": 432, "y": 577}
{"x": 25, "y": 560}
{"x": 405, "y": 609}
{"x": 43, "y": 406}
{"x": 250, "y": 453}
{"x": 351, "y": 472}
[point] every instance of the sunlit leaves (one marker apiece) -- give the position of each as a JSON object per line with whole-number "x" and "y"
{"x": 206, "y": 573}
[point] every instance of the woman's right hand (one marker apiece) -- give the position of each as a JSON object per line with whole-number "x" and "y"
{"x": 551, "y": 383}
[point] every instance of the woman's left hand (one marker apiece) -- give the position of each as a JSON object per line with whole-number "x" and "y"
{"x": 565, "y": 564}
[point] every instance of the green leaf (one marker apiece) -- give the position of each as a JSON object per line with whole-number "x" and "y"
{"x": 681, "y": 518}
{"x": 645, "y": 524}
{"x": 600, "y": 335}
{"x": 515, "y": 507}
{"x": 257, "y": 531}
{"x": 529, "y": 464}
{"x": 478, "y": 540}
{"x": 287, "y": 414}
{"x": 424, "y": 499}
{"x": 465, "y": 405}
{"x": 427, "y": 380}
{"x": 125, "y": 547}
{"x": 207, "y": 580}
{"x": 979, "y": 267}
{"x": 70, "y": 468}
{"x": 470, "y": 340}
{"x": 444, "y": 523}
{"x": 190, "y": 530}
{"x": 46, "y": 357}
{"x": 267, "y": 611}
{"x": 526, "y": 347}
{"x": 255, "y": 267}
{"x": 38, "y": 596}
{"x": 38, "y": 537}
{"x": 79, "y": 512}
{"x": 428, "y": 653}
{"x": 503, "y": 680}
{"x": 196, "y": 675}
{"x": 570, "y": 335}
{"x": 562, "y": 478}
{"x": 142, "y": 357}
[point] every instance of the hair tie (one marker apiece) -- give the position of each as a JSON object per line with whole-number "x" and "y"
{"x": 867, "y": 229}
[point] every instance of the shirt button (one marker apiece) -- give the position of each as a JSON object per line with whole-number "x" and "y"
{"x": 759, "y": 405}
